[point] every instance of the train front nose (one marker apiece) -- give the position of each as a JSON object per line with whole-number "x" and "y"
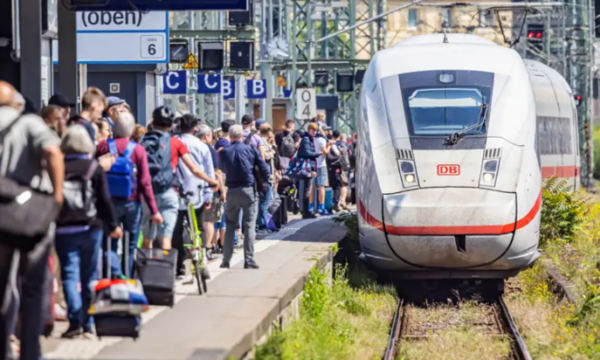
{"x": 449, "y": 227}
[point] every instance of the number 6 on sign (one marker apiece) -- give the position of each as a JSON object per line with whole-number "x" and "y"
{"x": 306, "y": 104}
{"x": 152, "y": 46}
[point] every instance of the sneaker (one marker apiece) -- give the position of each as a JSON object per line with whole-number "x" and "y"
{"x": 251, "y": 265}
{"x": 88, "y": 334}
{"x": 60, "y": 314}
{"x": 224, "y": 265}
{"x": 311, "y": 208}
{"x": 72, "y": 333}
{"x": 180, "y": 277}
{"x": 309, "y": 216}
{"x": 263, "y": 232}
{"x": 336, "y": 208}
{"x": 211, "y": 257}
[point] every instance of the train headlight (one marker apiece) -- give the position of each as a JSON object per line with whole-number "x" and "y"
{"x": 488, "y": 177}
{"x": 408, "y": 173}
{"x": 489, "y": 172}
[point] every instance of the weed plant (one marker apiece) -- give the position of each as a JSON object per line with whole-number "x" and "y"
{"x": 337, "y": 321}
{"x": 570, "y": 239}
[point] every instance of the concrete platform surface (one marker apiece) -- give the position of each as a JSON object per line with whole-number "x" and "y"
{"x": 237, "y": 311}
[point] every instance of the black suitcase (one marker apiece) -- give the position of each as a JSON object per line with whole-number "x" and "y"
{"x": 118, "y": 324}
{"x": 285, "y": 200}
{"x": 156, "y": 269}
{"x": 275, "y": 209}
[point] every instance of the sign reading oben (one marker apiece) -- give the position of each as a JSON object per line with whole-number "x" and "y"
{"x": 121, "y": 37}
{"x": 306, "y": 104}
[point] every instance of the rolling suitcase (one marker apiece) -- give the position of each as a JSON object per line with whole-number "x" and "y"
{"x": 329, "y": 199}
{"x": 156, "y": 269}
{"x": 121, "y": 323}
{"x": 275, "y": 209}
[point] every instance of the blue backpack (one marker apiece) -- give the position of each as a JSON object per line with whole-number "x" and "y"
{"x": 158, "y": 146}
{"x": 121, "y": 177}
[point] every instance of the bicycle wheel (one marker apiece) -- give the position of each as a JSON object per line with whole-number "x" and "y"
{"x": 199, "y": 279}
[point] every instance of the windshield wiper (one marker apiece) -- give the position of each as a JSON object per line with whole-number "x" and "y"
{"x": 455, "y": 138}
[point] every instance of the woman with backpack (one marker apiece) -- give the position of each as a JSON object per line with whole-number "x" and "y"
{"x": 79, "y": 227}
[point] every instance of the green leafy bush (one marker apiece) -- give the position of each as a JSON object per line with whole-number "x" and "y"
{"x": 563, "y": 211}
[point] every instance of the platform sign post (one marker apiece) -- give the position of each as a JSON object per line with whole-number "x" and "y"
{"x": 306, "y": 104}
{"x": 121, "y": 37}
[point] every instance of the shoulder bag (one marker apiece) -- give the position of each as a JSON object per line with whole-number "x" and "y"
{"x": 25, "y": 213}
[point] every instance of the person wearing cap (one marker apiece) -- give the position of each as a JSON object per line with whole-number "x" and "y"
{"x": 59, "y": 99}
{"x": 250, "y": 131}
{"x": 115, "y": 106}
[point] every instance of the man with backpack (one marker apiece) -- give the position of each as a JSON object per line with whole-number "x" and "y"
{"x": 251, "y": 136}
{"x": 93, "y": 103}
{"x": 164, "y": 152}
{"x": 128, "y": 181}
{"x": 286, "y": 140}
{"x": 29, "y": 154}
{"x": 79, "y": 227}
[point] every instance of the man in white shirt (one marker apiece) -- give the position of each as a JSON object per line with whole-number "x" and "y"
{"x": 322, "y": 146}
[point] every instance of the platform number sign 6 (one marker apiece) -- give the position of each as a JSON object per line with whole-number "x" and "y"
{"x": 152, "y": 46}
{"x": 306, "y": 104}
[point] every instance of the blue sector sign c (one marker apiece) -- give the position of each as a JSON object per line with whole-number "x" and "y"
{"x": 175, "y": 82}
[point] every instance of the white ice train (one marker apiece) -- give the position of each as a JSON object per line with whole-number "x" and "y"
{"x": 455, "y": 136}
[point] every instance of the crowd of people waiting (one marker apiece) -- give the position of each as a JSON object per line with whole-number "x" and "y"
{"x": 232, "y": 173}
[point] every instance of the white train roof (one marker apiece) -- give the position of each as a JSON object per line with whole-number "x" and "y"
{"x": 429, "y": 52}
{"x": 439, "y": 38}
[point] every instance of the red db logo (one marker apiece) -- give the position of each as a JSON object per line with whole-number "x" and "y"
{"x": 448, "y": 170}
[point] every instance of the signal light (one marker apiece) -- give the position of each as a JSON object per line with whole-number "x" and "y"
{"x": 577, "y": 100}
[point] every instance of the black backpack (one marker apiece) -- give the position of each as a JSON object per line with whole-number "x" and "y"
{"x": 79, "y": 198}
{"x": 288, "y": 146}
{"x": 158, "y": 146}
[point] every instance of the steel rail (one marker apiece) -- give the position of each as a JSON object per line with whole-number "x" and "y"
{"x": 520, "y": 350}
{"x": 397, "y": 323}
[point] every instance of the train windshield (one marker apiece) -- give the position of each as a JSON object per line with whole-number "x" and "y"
{"x": 444, "y": 102}
{"x": 445, "y": 110}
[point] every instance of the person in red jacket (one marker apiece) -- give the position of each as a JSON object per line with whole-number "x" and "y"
{"x": 129, "y": 211}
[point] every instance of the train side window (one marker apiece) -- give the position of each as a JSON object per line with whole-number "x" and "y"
{"x": 554, "y": 136}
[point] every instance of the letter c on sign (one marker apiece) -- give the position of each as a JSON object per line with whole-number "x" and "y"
{"x": 208, "y": 85}
{"x": 169, "y": 84}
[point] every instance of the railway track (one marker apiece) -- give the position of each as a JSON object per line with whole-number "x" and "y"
{"x": 503, "y": 323}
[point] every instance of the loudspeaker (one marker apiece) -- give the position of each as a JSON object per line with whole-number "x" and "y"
{"x": 321, "y": 78}
{"x": 241, "y": 55}
{"x": 210, "y": 56}
{"x": 345, "y": 82}
{"x": 241, "y": 18}
{"x": 178, "y": 51}
{"x": 359, "y": 76}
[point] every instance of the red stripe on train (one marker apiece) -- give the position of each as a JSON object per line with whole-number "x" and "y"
{"x": 451, "y": 230}
{"x": 560, "y": 171}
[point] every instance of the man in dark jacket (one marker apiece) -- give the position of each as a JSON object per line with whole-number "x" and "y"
{"x": 238, "y": 162}
{"x": 306, "y": 150}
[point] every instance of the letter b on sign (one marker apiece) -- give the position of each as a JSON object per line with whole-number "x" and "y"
{"x": 448, "y": 170}
{"x": 256, "y": 89}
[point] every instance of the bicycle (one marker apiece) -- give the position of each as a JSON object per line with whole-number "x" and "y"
{"x": 195, "y": 248}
